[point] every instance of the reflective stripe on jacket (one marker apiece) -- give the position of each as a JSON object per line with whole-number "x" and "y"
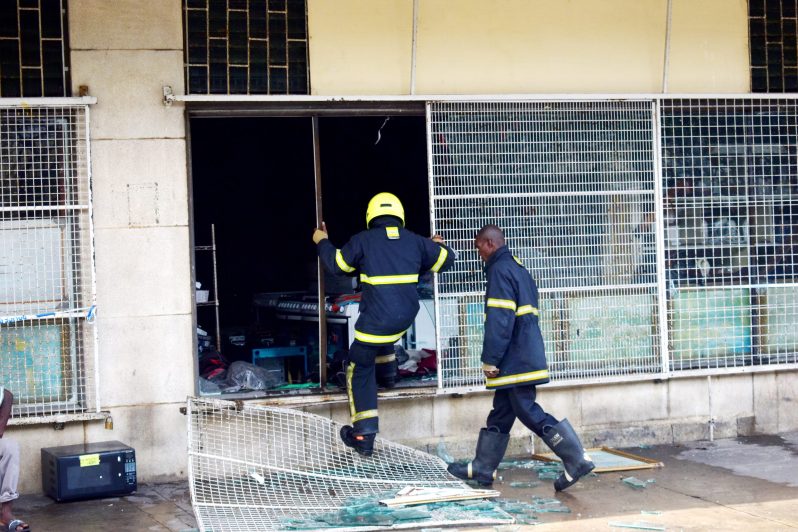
{"x": 388, "y": 259}
{"x": 513, "y": 341}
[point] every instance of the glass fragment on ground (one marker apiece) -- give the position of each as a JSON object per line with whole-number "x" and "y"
{"x": 638, "y": 525}
{"x": 525, "y": 484}
{"x": 443, "y": 453}
{"x": 634, "y": 482}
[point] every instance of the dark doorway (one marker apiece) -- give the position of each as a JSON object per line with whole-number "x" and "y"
{"x": 252, "y": 178}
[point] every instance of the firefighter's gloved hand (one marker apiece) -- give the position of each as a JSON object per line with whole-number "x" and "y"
{"x": 490, "y": 371}
{"x": 319, "y": 235}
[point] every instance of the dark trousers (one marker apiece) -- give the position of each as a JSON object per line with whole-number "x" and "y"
{"x": 361, "y": 385}
{"x": 518, "y": 402}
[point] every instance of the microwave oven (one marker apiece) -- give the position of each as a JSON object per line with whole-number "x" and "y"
{"x": 89, "y": 470}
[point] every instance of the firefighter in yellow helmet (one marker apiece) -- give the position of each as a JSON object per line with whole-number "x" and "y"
{"x": 388, "y": 259}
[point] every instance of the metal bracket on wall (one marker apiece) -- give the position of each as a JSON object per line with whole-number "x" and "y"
{"x": 168, "y": 95}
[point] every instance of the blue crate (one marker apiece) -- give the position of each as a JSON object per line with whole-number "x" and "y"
{"x": 261, "y": 354}
{"x": 274, "y": 352}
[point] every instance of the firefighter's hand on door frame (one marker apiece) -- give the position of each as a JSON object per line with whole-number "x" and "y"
{"x": 320, "y": 233}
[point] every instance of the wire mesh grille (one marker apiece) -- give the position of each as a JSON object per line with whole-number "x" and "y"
{"x": 573, "y": 186}
{"x": 246, "y": 46}
{"x": 255, "y": 468}
{"x": 730, "y": 200}
{"x": 32, "y": 48}
{"x": 46, "y": 265}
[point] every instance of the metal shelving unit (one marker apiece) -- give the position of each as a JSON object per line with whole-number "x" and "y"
{"x": 213, "y": 298}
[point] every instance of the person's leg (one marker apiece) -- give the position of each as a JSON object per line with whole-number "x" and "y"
{"x": 361, "y": 387}
{"x": 501, "y": 416}
{"x": 558, "y": 435}
{"x": 529, "y": 412}
{"x": 386, "y": 367}
{"x": 491, "y": 445}
{"x": 9, "y": 477}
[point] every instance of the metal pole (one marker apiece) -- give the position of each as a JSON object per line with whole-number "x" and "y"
{"x": 413, "y": 49}
{"x": 659, "y": 239}
{"x": 666, "y": 59}
{"x": 215, "y": 289}
{"x": 320, "y": 267}
{"x": 436, "y": 299}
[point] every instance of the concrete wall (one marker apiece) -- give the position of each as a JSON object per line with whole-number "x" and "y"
{"x": 527, "y": 46}
{"x": 624, "y": 414}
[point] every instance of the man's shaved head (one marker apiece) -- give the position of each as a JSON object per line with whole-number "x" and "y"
{"x": 488, "y": 240}
{"x": 492, "y": 232}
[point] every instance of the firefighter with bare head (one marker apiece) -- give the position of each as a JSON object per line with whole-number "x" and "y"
{"x": 388, "y": 260}
{"x": 514, "y": 364}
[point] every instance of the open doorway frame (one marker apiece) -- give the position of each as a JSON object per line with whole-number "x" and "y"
{"x": 314, "y": 111}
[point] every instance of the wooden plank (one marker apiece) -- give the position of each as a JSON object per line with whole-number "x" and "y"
{"x": 644, "y": 463}
{"x": 421, "y": 495}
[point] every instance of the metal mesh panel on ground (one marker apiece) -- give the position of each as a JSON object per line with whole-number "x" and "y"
{"x": 46, "y": 264}
{"x": 259, "y": 468}
{"x": 573, "y": 186}
{"x": 730, "y": 201}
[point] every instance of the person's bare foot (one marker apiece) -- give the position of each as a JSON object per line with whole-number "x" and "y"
{"x": 18, "y": 526}
{"x": 7, "y": 520}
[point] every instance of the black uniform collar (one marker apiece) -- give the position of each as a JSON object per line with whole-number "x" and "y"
{"x": 385, "y": 221}
{"x": 498, "y": 254}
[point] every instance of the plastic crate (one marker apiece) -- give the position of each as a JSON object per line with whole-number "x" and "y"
{"x": 271, "y": 357}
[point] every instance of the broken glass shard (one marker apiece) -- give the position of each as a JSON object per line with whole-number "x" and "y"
{"x": 638, "y": 525}
{"x": 527, "y": 484}
{"x": 634, "y": 482}
{"x": 443, "y": 454}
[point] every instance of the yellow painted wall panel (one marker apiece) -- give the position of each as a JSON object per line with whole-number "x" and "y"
{"x": 527, "y": 46}
{"x": 709, "y": 46}
{"x": 520, "y": 46}
{"x": 360, "y": 46}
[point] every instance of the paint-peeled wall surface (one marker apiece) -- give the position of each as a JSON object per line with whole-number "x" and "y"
{"x": 527, "y": 46}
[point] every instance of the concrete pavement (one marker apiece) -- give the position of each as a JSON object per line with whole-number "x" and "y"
{"x": 739, "y": 484}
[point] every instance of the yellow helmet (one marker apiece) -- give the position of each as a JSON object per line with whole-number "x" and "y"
{"x": 385, "y": 204}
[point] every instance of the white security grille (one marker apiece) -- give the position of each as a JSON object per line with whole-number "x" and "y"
{"x": 573, "y": 186}
{"x": 730, "y": 202}
{"x": 264, "y": 468}
{"x": 652, "y": 226}
{"x": 47, "y": 345}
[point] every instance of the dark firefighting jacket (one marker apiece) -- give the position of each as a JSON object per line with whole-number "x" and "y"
{"x": 388, "y": 259}
{"x": 513, "y": 341}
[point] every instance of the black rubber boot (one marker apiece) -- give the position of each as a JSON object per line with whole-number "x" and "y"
{"x": 562, "y": 439}
{"x": 386, "y": 373}
{"x": 490, "y": 450}
{"x": 362, "y": 443}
